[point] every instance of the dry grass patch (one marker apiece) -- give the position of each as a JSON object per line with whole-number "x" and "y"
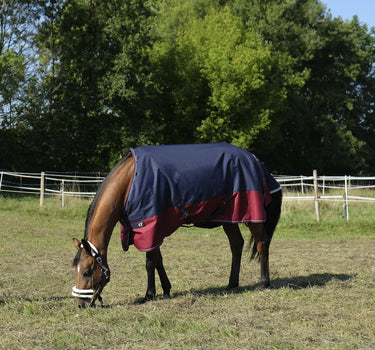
{"x": 322, "y": 294}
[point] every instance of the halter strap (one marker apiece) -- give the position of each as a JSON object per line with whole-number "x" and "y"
{"x": 94, "y": 250}
{"x": 95, "y": 254}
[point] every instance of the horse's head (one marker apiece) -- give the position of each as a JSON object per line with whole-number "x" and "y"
{"x": 92, "y": 273}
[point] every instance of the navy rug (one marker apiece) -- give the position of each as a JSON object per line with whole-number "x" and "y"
{"x": 201, "y": 184}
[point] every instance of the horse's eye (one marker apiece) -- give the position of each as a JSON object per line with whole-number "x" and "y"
{"x": 88, "y": 273}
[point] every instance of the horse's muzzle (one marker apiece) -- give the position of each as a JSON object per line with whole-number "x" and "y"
{"x": 85, "y": 296}
{"x": 82, "y": 296}
{"x": 81, "y": 303}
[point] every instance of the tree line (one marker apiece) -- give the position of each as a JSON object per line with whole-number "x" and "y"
{"x": 81, "y": 81}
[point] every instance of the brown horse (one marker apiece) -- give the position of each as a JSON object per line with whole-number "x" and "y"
{"x": 108, "y": 207}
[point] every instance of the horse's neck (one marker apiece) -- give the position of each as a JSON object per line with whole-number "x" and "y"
{"x": 110, "y": 206}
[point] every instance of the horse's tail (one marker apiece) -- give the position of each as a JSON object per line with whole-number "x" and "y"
{"x": 254, "y": 250}
{"x": 273, "y": 211}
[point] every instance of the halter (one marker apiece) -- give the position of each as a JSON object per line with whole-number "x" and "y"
{"x": 93, "y": 294}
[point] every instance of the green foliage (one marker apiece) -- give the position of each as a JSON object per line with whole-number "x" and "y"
{"x": 236, "y": 66}
{"x": 12, "y": 73}
{"x": 281, "y": 78}
{"x": 75, "y": 120}
{"x": 337, "y": 55}
{"x": 218, "y": 62}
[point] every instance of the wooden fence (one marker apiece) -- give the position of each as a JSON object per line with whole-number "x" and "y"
{"x": 315, "y": 188}
{"x": 50, "y": 184}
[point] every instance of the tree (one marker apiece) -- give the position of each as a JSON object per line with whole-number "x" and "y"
{"x": 75, "y": 57}
{"x": 127, "y": 88}
{"x": 281, "y": 78}
{"x": 222, "y": 82}
{"x": 247, "y": 81}
{"x": 95, "y": 57}
{"x": 16, "y": 56}
{"x": 322, "y": 118}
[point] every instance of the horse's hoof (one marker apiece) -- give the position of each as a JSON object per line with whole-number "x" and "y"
{"x": 264, "y": 287}
{"x": 231, "y": 286}
{"x": 143, "y": 300}
{"x": 140, "y": 301}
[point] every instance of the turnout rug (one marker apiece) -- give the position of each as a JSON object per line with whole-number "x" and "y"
{"x": 200, "y": 184}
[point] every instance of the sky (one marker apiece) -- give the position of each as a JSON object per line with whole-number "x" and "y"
{"x": 346, "y": 9}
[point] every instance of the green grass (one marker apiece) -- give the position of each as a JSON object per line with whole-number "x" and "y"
{"x": 322, "y": 294}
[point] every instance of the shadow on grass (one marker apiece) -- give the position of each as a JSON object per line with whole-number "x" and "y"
{"x": 313, "y": 280}
{"x": 298, "y": 282}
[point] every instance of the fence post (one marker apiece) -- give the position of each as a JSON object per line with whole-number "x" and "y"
{"x": 346, "y": 202}
{"x": 1, "y": 179}
{"x": 62, "y": 192}
{"x": 302, "y": 191}
{"x": 42, "y": 175}
{"x": 316, "y": 197}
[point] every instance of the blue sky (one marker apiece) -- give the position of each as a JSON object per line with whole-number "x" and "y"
{"x": 364, "y": 9}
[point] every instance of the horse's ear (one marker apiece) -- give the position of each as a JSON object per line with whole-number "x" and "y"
{"x": 77, "y": 243}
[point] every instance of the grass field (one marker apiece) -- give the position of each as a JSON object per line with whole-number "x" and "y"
{"x": 322, "y": 277}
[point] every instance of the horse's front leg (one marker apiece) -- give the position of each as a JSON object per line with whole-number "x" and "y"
{"x": 154, "y": 261}
{"x": 262, "y": 243}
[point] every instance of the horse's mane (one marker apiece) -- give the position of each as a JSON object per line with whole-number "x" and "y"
{"x": 91, "y": 210}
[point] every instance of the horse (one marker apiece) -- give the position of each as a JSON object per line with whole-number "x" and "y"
{"x": 154, "y": 190}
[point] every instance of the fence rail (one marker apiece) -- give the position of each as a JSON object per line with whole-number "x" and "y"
{"x": 49, "y": 184}
{"x": 344, "y": 189}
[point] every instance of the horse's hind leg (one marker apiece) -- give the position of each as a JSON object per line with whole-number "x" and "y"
{"x": 164, "y": 280}
{"x": 154, "y": 261}
{"x": 262, "y": 235}
{"x": 262, "y": 244}
{"x": 236, "y": 244}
